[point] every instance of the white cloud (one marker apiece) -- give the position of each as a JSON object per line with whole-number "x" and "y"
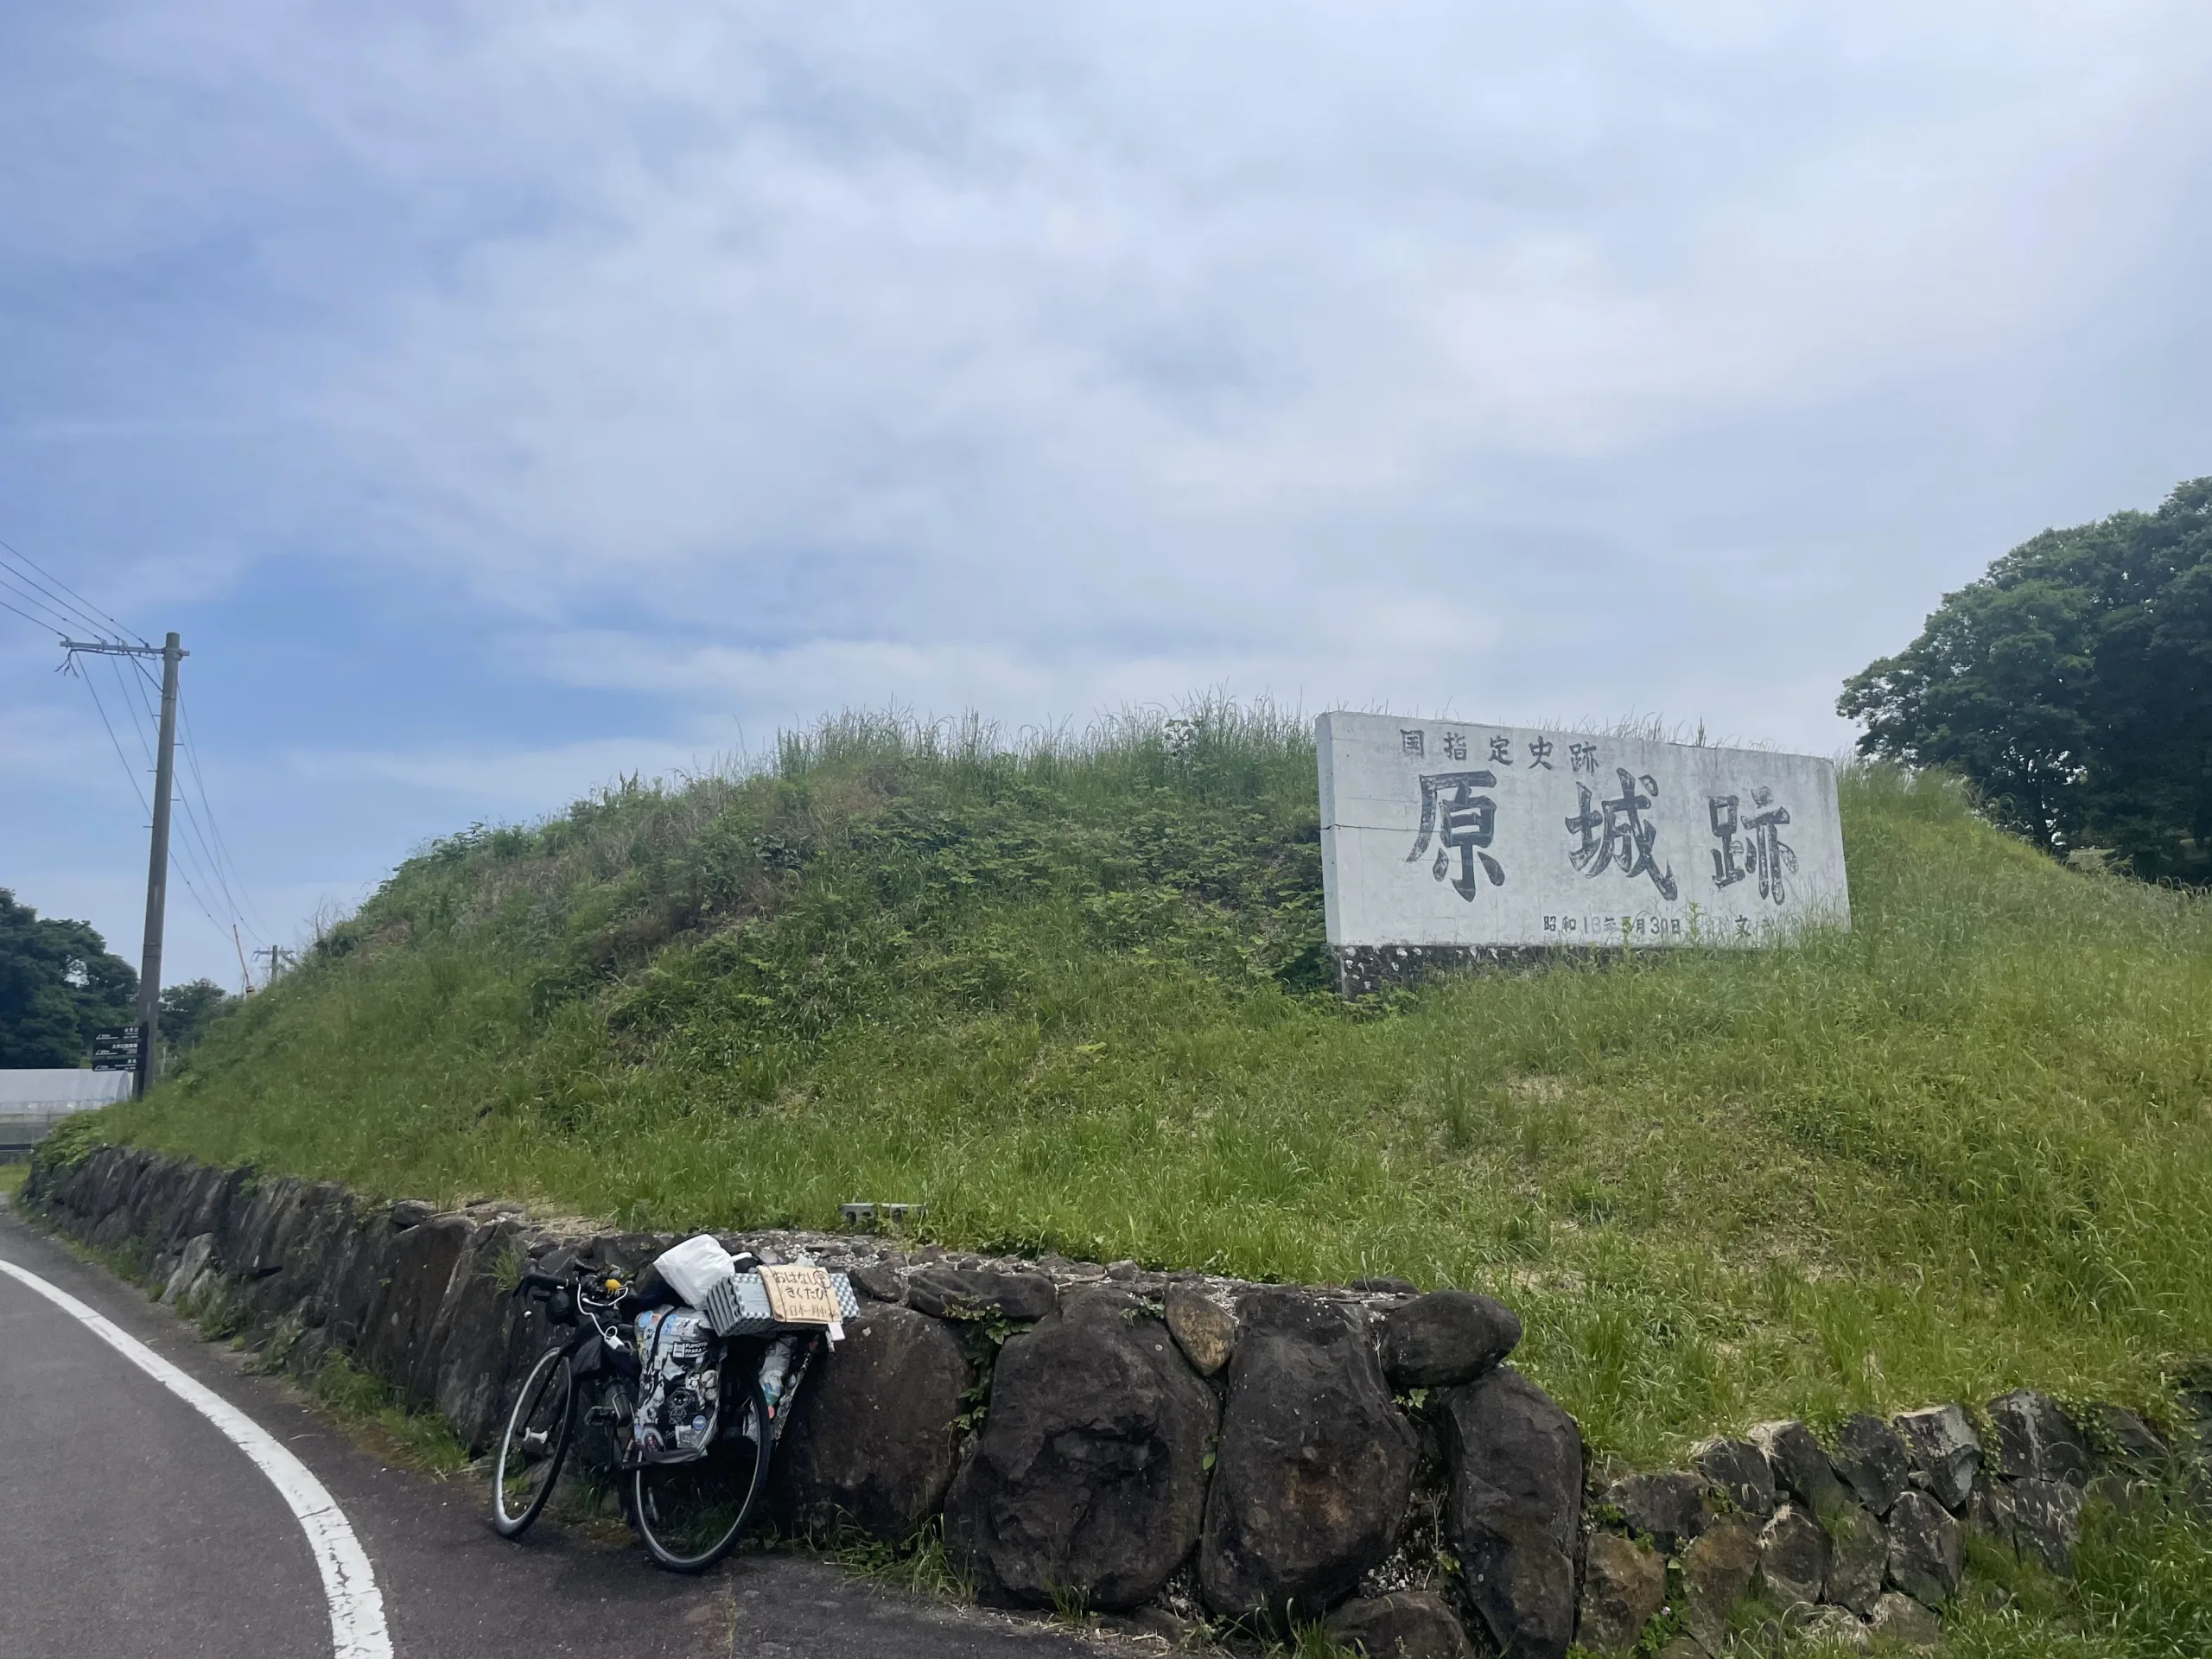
{"x": 666, "y": 286}
{"x": 733, "y": 363}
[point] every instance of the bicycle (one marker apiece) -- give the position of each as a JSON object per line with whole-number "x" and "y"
{"x": 690, "y": 1512}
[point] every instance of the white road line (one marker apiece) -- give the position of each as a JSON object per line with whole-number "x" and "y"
{"x": 357, "y": 1629}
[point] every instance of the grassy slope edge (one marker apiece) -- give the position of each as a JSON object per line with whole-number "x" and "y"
{"x": 1075, "y": 998}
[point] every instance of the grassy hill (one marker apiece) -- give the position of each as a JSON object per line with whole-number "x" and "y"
{"x": 1075, "y": 998}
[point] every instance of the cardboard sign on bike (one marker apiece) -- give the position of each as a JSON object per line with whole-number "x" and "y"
{"x": 801, "y": 1295}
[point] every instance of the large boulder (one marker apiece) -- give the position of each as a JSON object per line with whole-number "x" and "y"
{"x": 1445, "y": 1337}
{"x": 1740, "y": 1469}
{"x": 872, "y": 1439}
{"x": 154, "y": 1204}
{"x": 1927, "y": 1552}
{"x": 278, "y": 1252}
{"x": 946, "y": 1291}
{"x": 301, "y": 1249}
{"x": 353, "y": 1278}
{"x": 1315, "y": 1466}
{"x": 200, "y": 1181}
{"x": 1089, "y": 1478}
{"x": 2137, "y": 1464}
{"x": 1669, "y": 1509}
{"x": 396, "y": 1338}
{"x": 1873, "y": 1460}
{"x": 1623, "y": 1584}
{"x": 2035, "y": 1442}
{"x": 1859, "y": 1557}
{"x": 1794, "y": 1553}
{"x": 191, "y": 1262}
{"x": 1801, "y": 1468}
{"x": 106, "y": 1184}
{"x": 1717, "y": 1572}
{"x": 119, "y": 1179}
{"x": 464, "y": 1371}
{"x": 1406, "y": 1625}
{"x": 205, "y": 1206}
{"x": 1514, "y": 1509}
{"x": 1945, "y": 1451}
{"x": 2046, "y": 1523}
{"x": 1989, "y": 1512}
{"x": 2134, "y": 1444}
{"x": 329, "y": 1238}
{"x": 881, "y": 1281}
{"x": 277, "y": 1218}
{"x": 244, "y": 1222}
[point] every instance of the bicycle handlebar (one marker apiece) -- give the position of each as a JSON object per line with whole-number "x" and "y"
{"x": 580, "y": 1280}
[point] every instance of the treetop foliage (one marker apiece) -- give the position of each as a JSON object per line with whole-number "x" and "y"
{"x": 2072, "y": 685}
{"x": 59, "y": 984}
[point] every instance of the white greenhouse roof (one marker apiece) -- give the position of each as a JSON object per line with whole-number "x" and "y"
{"x": 56, "y": 1089}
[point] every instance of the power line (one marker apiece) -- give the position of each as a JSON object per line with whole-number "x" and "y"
{"x": 131, "y": 772}
{"x": 26, "y": 615}
{"x": 32, "y": 588}
{"x": 54, "y": 619}
{"x": 49, "y": 601}
{"x": 211, "y": 870}
{"x": 222, "y": 846}
{"x": 190, "y": 862}
{"x": 124, "y": 689}
{"x": 37, "y": 593}
{"x": 92, "y": 614}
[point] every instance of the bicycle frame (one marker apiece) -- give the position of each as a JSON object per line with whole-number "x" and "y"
{"x": 602, "y": 1359}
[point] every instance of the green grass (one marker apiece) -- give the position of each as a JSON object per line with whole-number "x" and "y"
{"x": 2145, "y": 1592}
{"x": 11, "y": 1178}
{"x": 370, "y": 1407}
{"x": 919, "y": 1565}
{"x": 1075, "y": 998}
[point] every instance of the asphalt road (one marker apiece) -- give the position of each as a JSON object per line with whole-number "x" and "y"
{"x": 129, "y": 1524}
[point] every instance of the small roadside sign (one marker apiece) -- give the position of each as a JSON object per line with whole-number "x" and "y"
{"x": 116, "y": 1049}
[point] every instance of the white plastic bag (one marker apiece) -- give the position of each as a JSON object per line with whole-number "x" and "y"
{"x": 693, "y": 1266}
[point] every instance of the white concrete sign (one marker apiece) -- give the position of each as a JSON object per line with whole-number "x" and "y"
{"x": 1453, "y": 833}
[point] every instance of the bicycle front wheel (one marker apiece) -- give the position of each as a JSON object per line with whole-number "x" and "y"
{"x": 691, "y": 1514}
{"x": 534, "y": 1444}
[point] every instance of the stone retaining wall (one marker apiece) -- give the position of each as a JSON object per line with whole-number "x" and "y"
{"x": 1178, "y": 1445}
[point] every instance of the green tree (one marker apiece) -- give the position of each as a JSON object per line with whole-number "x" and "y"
{"x": 2072, "y": 684}
{"x": 58, "y": 985}
{"x": 186, "y": 1011}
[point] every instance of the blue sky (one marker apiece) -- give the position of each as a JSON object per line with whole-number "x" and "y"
{"x": 498, "y": 399}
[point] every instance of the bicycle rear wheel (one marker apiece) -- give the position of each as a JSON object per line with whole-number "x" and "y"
{"x": 534, "y": 1444}
{"x": 691, "y": 1514}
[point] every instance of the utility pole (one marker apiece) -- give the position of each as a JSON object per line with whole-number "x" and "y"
{"x": 158, "y": 874}
{"x": 157, "y": 859}
{"x": 278, "y": 956}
